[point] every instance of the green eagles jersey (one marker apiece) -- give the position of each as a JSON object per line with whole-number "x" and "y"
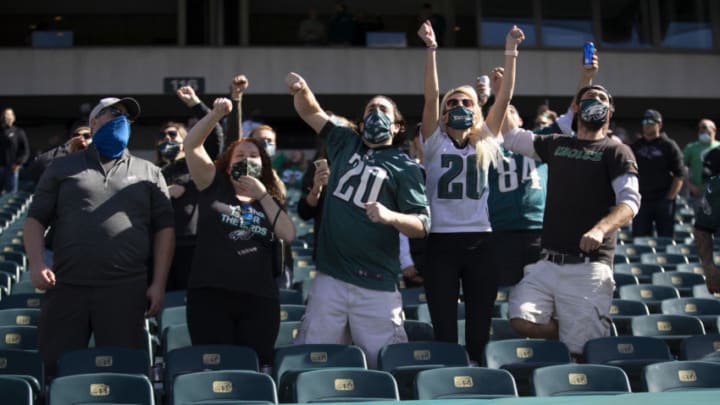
{"x": 707, "y": 215}
{"x": 351, "y": 248}
{"x": 693, "y": 156}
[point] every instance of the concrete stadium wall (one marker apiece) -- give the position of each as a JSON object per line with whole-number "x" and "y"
{"x": 140, "y": 71}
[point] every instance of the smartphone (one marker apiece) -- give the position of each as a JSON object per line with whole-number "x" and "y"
{"x": 321, "y": 164}
{"x": 588, "y": 52}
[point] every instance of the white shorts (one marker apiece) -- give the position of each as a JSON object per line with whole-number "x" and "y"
{"x": 578, "y": 295}
{"x": 342, "y": 313}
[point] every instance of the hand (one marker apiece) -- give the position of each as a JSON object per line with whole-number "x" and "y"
{"x": 176, "y": 190}
{"x": 238, "y": 86}
{"x": 712, "y": 280}
{"x": 591, "y": 240}
{"x": 155, "y": 295}
{"x": 222, "y": 106}
{"x": 514, "y": 38}
{"x": 295, "y": 82}
{"x": 42, "y": 278}
{"x": 378, "y": 213}
{"x": 496, "y": 78}
{"x": 251, "y": 187}
{"x": 427, "y": 34}
{"x": 187, "y": 95}
{"x": 321, "y": 178}
{"x": 589, "y": 71}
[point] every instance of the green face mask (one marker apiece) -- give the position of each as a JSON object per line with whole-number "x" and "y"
{"x": 376, "y": 128}
{"x": 460, "y": 118}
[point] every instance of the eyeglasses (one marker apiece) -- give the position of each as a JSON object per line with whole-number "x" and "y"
{"x": 648, "y": 122}
{"x": 84, "y": 134}
{"x": 172, "y": 134}
{"x": 114, "y": 111}
{"x": 454, "y": 102}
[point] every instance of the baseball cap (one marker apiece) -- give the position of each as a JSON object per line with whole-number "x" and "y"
{"x": 132, "y": 106}
{"x": 652, "y": 115}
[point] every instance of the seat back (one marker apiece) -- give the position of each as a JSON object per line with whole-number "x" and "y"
{"x": 650, "y": 294}
{"x": 104, "y": 360}
{"x": 418, "y": 331}
{"x": 174, "y": 337}
{"x": 18, "y": 337}
{"x": 22, "y": 301}
{"x": 643, "y": 272}
{"x": 683, "y": 281}
{"x": 290, "y": 361}
{"x": 286, "y": 334}
{"x": 345, "y": 384}
{"x": 291, "y": 312}
{"x": 19, "y": 316}
{"x": 697, "y": 347}
{"x": 175, "y": 315}
{"x": 583, "y": 379}
{"x": 291, "y": 297}
{"x": 682, "y": 375}
{"x": 16, "y": 391}
{"x": 103, "y": 388}
{"x": 224, "y": 386}
{"x": 25, "y": 364}
{"x": 464, "y": 382}
{"x": 659, "y": 325}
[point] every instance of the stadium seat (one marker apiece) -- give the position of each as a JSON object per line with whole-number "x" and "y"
{"x": 18, "y": 337}
{"x": 26, "y": 365}
{"x": 622, "y": 312}
{"x": 701, "y": 291}
{"x": 706, "y": 309}
{"x": 102, "y": 388}
{"x": 22, "y": 301}
{"x": 683, "y": 281}
{"x": 405, "y": 360}
{"x": 345, "y": 385}
{"x": 418, "y": 331}
{"x": 650, "y": 294}
{"x": 631, "y": 353}
{"x": 690, "y": 251}
{"x": 698, "y": 347}
{"x": 620, "y": 259}
{"x": 174, "y": 337}
{"x": 286, "y": 334}
{"x": 657, "y": 242}
{"x": 632, "y": 251}
{"x": 521, "y": 356}
{"x": 16, "y": 391}
{"x": 464, "y": 383}
{"x": 501, "y": 329}
{"x": 290, "y": 361}
{"x": 692, "y": 267}
{"x": 643, "y": 272}
{"x": 622, "y": 279}
{"x": 224, "y": 387}
{"x": 670, "y": 328}
{"x": 291, "y": 312}
{"x": 175, "y": 315}
{"x": 15, "y": 257}
{"x": 579, "y": 379}
{"x": 104, "y": 360}
{"x": 668, "y": 260}
{"x": 423, "y": 312}
{"x": 291, "y": 297}
{"x": 682, "y": 375}
{"x": 411, "y": 299}
{"x": 19, "y": 316}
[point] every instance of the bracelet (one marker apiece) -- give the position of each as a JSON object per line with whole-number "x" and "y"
{"x": 509, "y": 52}
{"x": 432, "y": 48}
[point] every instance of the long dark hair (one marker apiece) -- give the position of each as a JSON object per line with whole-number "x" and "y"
{"x": 399, "y": 119}
{"x": 267, "y": 175}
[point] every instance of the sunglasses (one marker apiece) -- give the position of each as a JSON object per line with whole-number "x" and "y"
{"x": 648, "y": 122}
{"x": 114, "y": 111}
{"x": 171, "y": 134}
{"x": 454, "y": 102}
{"x": 85, "y": 135}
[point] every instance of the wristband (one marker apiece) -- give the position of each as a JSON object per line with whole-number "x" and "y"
{"x": 509, "y": 52}
{"x": 432, "y": 48}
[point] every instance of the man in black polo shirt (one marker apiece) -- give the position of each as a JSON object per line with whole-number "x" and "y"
{"x": 592, "y": 191}
{"x": 660, "y": 163}
{"x": 107, "y": 208}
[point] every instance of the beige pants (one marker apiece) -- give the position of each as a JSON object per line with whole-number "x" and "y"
{"x": 578, "y": 295}
{"x": 342, "y": 313}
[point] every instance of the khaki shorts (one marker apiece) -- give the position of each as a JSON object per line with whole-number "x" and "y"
{"x": 342, "y": 313}
{"x": 578, "y": 295}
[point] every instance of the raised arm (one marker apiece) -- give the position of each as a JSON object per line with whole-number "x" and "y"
{"x": 587, "y": 73}
{"x": 431, "y": 110}
{"x": 504, "y": 94}
{"x": 202, "y": 168}
{"x": 305, "y": 102}
{"x": 238, "y": 85}
{"x": 215, "y": 142}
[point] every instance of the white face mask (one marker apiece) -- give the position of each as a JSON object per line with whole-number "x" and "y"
{"x": 704, "y": 137}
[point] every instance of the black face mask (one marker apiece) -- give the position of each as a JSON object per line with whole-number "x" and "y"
{"x": 593, "y": 114}
{"x": 245, "y": 167}
{"x": 168, "y": 150}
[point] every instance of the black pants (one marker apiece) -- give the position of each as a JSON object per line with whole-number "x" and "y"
{"x": 451, "y": 259}
{"x": 218, "y": 316}
{"x": 511, "y": 251}
{"x": 180, "y": 270}
{"x": 660, "y": 212}
{"x": 70, "y": 314}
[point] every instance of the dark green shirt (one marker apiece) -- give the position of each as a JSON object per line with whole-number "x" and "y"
{"x": 707, "y": 215}
{"x": 351, "y": 248}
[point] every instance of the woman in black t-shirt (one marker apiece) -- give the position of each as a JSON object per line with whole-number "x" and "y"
{"x": 232, "y": 297}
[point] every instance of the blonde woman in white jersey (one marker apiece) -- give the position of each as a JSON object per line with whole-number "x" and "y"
{"x": 458, "y": 148}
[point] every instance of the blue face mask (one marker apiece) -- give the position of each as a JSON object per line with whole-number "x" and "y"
{"x": 704, "y": 137}
{"x": 376, "y": 128}
{"x": 460, "y": 118}
{"x": 112, "y": 138}
{"x": 593, "y": 113}
{"x": 269, "y": 148}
